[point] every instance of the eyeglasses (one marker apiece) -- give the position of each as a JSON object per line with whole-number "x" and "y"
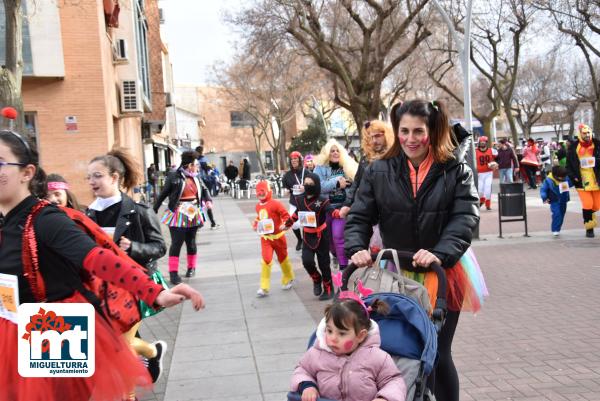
{"x": 95, "y": 177}
{"x": 2, "y": 164}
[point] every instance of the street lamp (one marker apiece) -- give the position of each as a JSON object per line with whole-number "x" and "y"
{"x": 464, "y": 55}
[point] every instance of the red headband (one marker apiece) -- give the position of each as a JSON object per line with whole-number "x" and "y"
{"x": 56, "y": 185}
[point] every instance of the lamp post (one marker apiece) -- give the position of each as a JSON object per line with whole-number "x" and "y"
{"x": 464, "y": 55}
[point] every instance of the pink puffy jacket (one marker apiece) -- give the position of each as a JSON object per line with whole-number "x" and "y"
{"x": 366, "y": 374}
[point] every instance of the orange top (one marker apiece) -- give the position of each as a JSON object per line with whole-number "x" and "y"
{"x": 418, "y": 176}
{"x": 484, "y": 159}
{"x": 190, "y": 191}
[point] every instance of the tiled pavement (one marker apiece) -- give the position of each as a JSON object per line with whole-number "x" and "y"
{"x": 537, "y": 338}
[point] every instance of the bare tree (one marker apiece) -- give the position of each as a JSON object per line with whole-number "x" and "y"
{"x": 358, "y": 42}
{"x": 271, "y": 92}
{"x": 11, "y": 73}
{"x": 498, "y": 32}
{"x": 580, "y": 21}
{"x": 535, "y": 89}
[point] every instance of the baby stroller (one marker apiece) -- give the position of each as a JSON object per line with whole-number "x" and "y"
{"x": 408, "y": 332}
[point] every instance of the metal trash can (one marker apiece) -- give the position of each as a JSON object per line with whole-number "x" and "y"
{"x": 511, "y": 204}
{"x": 511, "y": 199}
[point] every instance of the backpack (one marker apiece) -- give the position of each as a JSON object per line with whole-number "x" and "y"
{"x": 116, "y": 304}
{"x": 380, "y": 279}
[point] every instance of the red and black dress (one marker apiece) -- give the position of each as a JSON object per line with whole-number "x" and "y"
{"x": 65, "y": 253}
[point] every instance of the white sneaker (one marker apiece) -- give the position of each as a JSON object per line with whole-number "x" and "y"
{"x": 288, "y": 286}
{"x": 262, "y": 293}
{"x": 555, "y": 233}
{"x": 215, "y": 227}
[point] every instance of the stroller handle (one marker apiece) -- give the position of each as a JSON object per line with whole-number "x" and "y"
{"x": 406, "y": 258}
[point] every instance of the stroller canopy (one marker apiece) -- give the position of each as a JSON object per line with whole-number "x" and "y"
{"x": 406, "y": 330}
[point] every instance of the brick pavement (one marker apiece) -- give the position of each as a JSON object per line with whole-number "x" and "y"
{"x": 538, "y": 336}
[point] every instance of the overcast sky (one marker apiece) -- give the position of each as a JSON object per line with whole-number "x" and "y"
{"x": 197, "y": 37}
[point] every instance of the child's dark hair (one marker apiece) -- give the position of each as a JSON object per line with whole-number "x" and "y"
{"x": 71, "y": 199}
{"x": 436, "y": 118}
{"x": 188, "y": 157}
{"x": 121, "y": 162}
{"x": 26, "y": 154}
{"x": 349, "y": 314}
{"x": 559, "y": 171}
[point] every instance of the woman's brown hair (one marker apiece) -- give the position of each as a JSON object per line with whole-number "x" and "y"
{"x": 436, "y": 118}
{"x": 121, "y": 162}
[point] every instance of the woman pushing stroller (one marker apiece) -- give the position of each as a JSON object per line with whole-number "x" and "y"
{"x": 423, "y": 196}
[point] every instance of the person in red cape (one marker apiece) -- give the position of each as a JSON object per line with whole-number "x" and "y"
{"x": 65, "y": 256}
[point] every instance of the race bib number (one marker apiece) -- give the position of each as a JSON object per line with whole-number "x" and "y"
{"x": 588, "y": 162}
{"x": 110, "y": 231}
{"x": 265, "y": 226}
{"x": 297, "y": 190}
{"x": 307, "y": 219}
{"x": 9, "y": 297}
{"x": 189, "y": 209}
{"x": 563, "y": 187}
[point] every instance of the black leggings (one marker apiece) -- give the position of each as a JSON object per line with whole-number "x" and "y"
{"x": 445, "y": 377}
{"x": 181, "y": 235}
{"x": 322, "y": 253}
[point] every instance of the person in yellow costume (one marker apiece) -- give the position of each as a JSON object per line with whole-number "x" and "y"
{"x": 583, "y": 166}
{"x": 271, "y": 216}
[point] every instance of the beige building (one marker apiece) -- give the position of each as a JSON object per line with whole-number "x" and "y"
{"x": 88, "y": 82}
{"x": 225, "y": 130}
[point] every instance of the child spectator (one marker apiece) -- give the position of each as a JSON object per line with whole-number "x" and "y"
{"x": 59, "y": 193}
{"x": 555, "y": 192}
{"x": 346, "y": 361}
{"x": 312, "y": 214}
{"x": 270, "y": 219}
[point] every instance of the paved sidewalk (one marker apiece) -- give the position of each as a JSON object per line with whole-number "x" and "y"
{"x": 240, "y": 347}
{"x": 536, "y": 339}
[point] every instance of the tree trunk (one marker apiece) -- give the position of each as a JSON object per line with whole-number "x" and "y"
{"x": 11, "y": 73}
{"x": 511, "y": 123}
{"x": 571, "y": 126}
{"x": 258, "y": 150}
{"x": 596, "y": 119}
{"x": 486, "y": 123}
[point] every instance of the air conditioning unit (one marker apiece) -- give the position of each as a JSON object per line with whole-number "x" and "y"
{"x": 169, "y": 99}
{"x": 120, "y": 51}
{"x": 131, "y": 97}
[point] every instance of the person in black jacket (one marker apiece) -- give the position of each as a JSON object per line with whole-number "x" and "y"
{"x": 183, "y": 215}
{"x": 311, "y": 214}
{"x": 133, "y": 226}
{"x": 583, "y": 166}
{"x": 231, "y": 172}
{"x": 423, "y": 197}
{"x": 293, "y": 182}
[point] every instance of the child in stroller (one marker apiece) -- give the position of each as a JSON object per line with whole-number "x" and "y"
{"x": 345, "y": 361}
{"x": 407, "y": 333}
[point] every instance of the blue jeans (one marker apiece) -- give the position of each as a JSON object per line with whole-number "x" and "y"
{"x": 558, "y": 210}
{"x": 506, "y": 175}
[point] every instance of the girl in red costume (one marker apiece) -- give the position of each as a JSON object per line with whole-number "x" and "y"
{"x": 270, "y": 219}
{"x": 65, "y": 254}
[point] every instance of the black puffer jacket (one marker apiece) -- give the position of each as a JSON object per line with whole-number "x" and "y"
{"x": 139, "y": 224}
{"x": 440, "y": 219}
{"x": 174, "y": 188}
{"x": 293, "y": 177}
{"x": 574, "y": 165}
